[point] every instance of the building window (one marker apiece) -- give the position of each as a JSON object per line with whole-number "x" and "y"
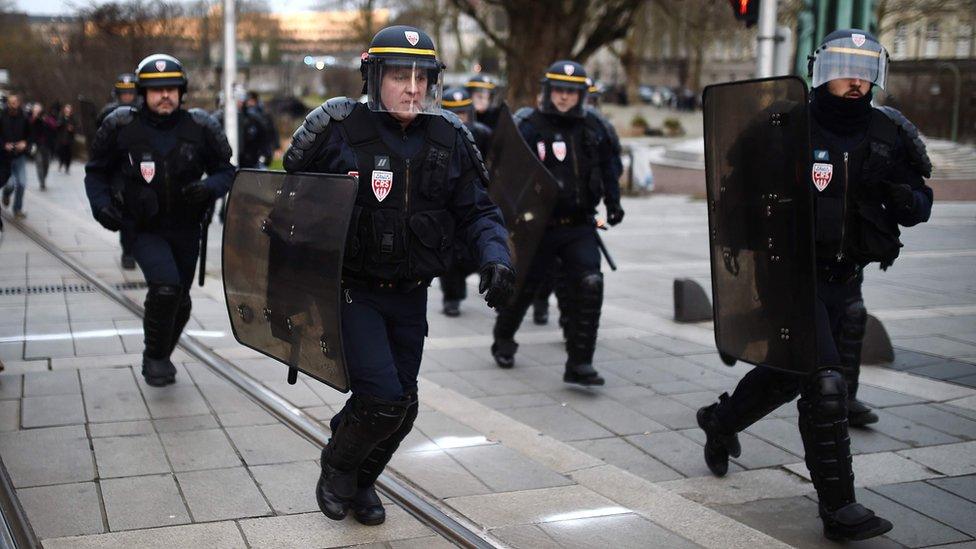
{"x": 964, "y": 40}
{"x": 932, "y": 40}
{"x": 900, "y": 48}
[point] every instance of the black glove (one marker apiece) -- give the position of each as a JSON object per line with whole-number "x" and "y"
{"x": 497, "y": 283}
{"x": 899, "y": 196}
{"x": 110, "y": 217}
{"x": 197, "y": 193}
{"x": 615, "y": 214}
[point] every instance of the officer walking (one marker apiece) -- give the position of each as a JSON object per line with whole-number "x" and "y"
{"x": 458, "y": 101}
{"x": 866, "y": 177}
{"x": 421, "y": 188}
{"x": 573, "y": 145}
{"x": 144, "y": 177}
{"x": 123, "y": 93}
{"x": 482, "y": 91}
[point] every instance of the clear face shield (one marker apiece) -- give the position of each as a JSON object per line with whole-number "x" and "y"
{"x": 852, "y": 57}
{"x": 404, "y": 86}
{"x": 563, "y": 99}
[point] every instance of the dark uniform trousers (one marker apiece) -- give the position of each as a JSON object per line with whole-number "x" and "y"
{"x": 167, "y": 255}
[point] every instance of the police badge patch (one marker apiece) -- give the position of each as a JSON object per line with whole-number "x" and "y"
{"x": 148, "y": 170}
{"x": 569, "y": 69}
{"x": 540, "y": 148}
{"x": 160, "y": 65}
{"x": 559, "y": 150}
{"x": 858, "y": 39}
{"x": 822, "y": 174}
{"x": 412, "y": 36}
{"x": 382, "y": 183}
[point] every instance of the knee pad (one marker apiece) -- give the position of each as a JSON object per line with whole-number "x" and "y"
{"x": 590, "y": 289}
{"x": 828, "y": 393}
{"x": 853, "y": 320}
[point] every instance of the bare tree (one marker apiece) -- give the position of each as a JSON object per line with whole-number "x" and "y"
{"x": 364, "y": 26}
{"x": 542, "y": 31}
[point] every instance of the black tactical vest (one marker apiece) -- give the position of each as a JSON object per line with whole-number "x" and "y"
{"x": 401, "y": 228}
{"x": 570, "y": 153}
{"x": 152, "y": 179}
{"x": 852, "y": 224}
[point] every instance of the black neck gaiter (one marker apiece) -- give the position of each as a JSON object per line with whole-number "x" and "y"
{"x": 841, "y": 115}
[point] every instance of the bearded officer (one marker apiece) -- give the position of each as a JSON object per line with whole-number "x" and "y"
{"x": 421, "y": 189}
{"x": 123, "y": 93}
{"x": 866, "y": 174}
{"x": 458, "y": 101}
{"x": 146, "y": 177}
{"x": 573, "y": 145}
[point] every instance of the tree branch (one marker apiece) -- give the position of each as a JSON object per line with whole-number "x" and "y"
{"x": 468, "y": 9}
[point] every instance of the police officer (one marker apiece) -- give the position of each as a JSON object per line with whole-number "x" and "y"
{"x": 482, "y": 91}
{"x": 421, "y": 188}
{"x": 867, "y": 174}
{"x": 145, "y": 176}
{"x": 458, "y": 101}
{"x": 123, "y": 93}
{"x": 251, "y": 135}
{"x": 573, "y": 145}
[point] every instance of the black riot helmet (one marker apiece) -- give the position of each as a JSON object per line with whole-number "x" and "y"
{"x": 564, "y": 75}
{"x": 161, "y": 71}
{"x": 482, "y": 91}
{"x": 405, "y": 57}
{"x": 125, "y": 83}
{"x": 849, "y": 53}
{"x": 458, "y": 101}
{"x": 593, "y": 93}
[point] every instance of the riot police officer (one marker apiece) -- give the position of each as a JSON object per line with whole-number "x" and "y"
{"x": 123, "y": 93}
{"x": 573, "y": 145}
{"x": 144, "y": 177}
{"x": 866, "y": 176}
{"x": 482, "y": 91}
{"x": 252, "y": 135}
{"x": 458, "y": 101}
{"x": 421, "y": 188}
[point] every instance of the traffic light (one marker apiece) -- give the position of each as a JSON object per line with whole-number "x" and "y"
{"x": 746, "y": 10}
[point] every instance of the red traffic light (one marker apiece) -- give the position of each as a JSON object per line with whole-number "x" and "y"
{"x": 746, "y": 10}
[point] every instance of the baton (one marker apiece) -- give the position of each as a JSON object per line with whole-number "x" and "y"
{"x": 603, "y": 247}
{"x": 207, "y": 218}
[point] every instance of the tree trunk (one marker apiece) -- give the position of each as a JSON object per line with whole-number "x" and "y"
{"x": 532, "y": 48}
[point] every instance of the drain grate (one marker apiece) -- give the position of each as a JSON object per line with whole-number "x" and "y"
{"x": 66, "y": 288}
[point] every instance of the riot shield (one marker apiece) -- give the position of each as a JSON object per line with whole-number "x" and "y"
{"x": 88, "y": 116}
{"x": 282, "y": 261}
{"x": 524, "y": 190}
{"x": 760, "y": 218}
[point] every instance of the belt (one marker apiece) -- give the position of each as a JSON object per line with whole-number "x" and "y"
{"x": 839, "y": 273}
{"x": 571, "y": 220}
{"x": 384, "y": 286}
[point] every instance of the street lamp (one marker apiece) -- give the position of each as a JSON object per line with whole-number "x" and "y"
{"x": 957, "y": 92}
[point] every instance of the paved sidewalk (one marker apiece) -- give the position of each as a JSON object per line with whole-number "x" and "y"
{"x": 540, "y": 463}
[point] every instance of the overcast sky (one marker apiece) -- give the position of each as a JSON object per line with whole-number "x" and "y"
{"x": 62, "y": 7}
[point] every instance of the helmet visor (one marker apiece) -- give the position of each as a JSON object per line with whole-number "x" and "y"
{"x": 847, "y": 58}
{"x": 404, "y": 86}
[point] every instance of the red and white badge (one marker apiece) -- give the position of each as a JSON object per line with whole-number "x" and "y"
{"x": 160, "y": 65}
{"x": 148, "y": 170}
{"x": 822, "y": 173}
{"x": 382, "y": 183}
{"x": 540, "y": 148}
{"x": 559, "y": 150}
{"x": 858, "y": 39}
{"x": 412, "y": 36}
{"x": 354, "y": 174}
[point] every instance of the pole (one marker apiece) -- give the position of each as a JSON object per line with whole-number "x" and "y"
{"x": 766, "y": 41}
{"x": 230, "y": 74}
{"x": 957, "y": 92}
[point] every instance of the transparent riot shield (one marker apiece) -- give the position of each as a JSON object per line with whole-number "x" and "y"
{"x": 760, "y": 218}
{"x": 524, "y": 190}
{"x": 282, "y": 261}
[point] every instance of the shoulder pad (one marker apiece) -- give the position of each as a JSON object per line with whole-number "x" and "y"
{"x": 915, "y": 147}
{"x": 119, "y": 117}
{"x": 522, "y": 114}
{"x": 469, "y": 144}
{"x": 315, "y": 126}
{"x": 211, "y": 126}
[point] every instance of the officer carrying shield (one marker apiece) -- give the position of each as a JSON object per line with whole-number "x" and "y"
{"x": 421, "y": 189}
{"x": 482, "y": 91}
{"x": 458, "y": 101}
{"x": 574, "y": 147}
{"x": 123, "y": 93}
{"x": 866, "y": 171}
{"x": 144, "y": 177}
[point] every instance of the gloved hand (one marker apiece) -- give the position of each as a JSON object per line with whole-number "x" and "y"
{"x": 197, "y": 193}
{"x": 110, "y": 217}
{"x": 899, "y": 196}
{"x": 497, "y": 283}
{"x": 615, "y": 214}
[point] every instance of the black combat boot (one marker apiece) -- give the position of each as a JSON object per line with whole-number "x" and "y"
{"x": 859, "y": 414}
{"x": 719, "y": 443}
{"x": 827, "y": 444}
{"x": 365, "y": 422}
{"x": 582, "y": 321}
{"x": 452, "y": 308}
{"x": 504, "y": 352}
{"x": 159, "y": 323}
{"x": 366, "y": 506}
{"x": 582, "y": 374}
{"x": 540, "y": 311}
